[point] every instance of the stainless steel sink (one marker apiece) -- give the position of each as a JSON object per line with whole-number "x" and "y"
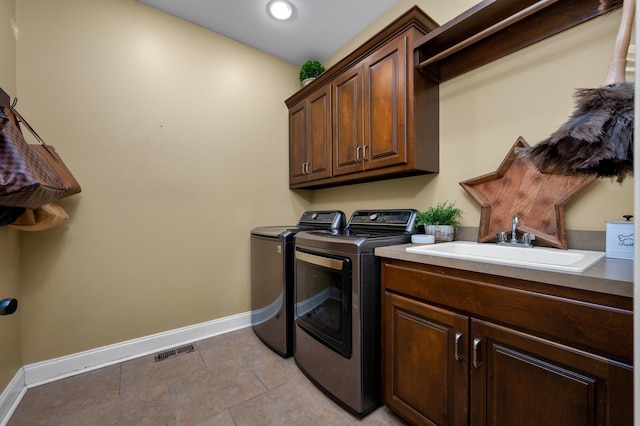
{"x": 548, "y": 259}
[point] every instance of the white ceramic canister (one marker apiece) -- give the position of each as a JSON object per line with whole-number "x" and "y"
{"x": 620, "y": 239}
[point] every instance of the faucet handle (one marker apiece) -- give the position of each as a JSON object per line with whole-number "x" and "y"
{"x": 502, "y": 236}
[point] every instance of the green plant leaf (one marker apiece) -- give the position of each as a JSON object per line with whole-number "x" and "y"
{"x": 443, "y": 214}
{"x": 310, "y": 69}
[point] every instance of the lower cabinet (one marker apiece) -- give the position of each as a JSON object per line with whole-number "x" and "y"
{"x": 515, "y": 376}
{"x": 450, "y": 366}
{"x": 426, "y": 365}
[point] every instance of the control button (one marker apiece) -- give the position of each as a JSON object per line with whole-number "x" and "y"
{"x": 314, "y": 216}
{"x": 373, "y": 216}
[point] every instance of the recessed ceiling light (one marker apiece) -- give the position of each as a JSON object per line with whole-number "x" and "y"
{"x": 280, "y": 9}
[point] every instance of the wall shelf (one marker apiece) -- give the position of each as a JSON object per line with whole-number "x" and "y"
{"x": 493, "y": 29}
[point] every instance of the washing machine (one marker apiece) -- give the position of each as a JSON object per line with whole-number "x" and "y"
{"x": 272, "y": 285}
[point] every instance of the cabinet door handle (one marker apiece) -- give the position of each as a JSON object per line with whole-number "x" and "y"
{"x": 358, "y": 153}
{"x": 306, "y": 168}
{"x": 303, "y": 166}
{"x": 477, "y": 363}
{"x": 364, "y": 152}
{"x": 459, "y": 357}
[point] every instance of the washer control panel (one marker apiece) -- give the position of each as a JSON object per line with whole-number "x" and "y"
{"x": 401, "y": 220}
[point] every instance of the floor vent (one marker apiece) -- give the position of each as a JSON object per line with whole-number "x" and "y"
{"x": 173, "y": 352}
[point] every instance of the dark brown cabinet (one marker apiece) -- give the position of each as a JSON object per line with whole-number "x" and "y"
{"x": 348, "y": 122}
{"x": 426, "y": 365}
{"x": 310, "y": 136}
{"x": 465, "y": 348}
{"x": 369, "y": 114}
{"x": 516, "y": 376}
{"x": 387, "y": 102}
{"x": 383, "y": 114}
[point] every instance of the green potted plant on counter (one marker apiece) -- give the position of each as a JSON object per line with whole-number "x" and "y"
{"x": 441, "y": 221}
{"x": 310, "y": 71}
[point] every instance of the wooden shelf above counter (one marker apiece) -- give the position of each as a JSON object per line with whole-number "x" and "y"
{"x": 493, "y": 29}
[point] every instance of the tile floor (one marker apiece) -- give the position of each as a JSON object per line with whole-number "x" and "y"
{"x": 231, "y": 379}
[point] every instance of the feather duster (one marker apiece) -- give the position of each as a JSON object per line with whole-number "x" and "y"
{"x": 598, "y": 137}
{"x": 607, "y": 6}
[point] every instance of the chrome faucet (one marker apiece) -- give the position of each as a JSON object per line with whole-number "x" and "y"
{"x": 514, "y": 227}
{"x": 526, "y": 237}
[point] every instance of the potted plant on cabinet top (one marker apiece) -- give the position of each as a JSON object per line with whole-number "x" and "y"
{"x": 309, "y": 71}
{"x": 440, "y": 221}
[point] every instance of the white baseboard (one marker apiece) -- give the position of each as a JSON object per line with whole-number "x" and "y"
{"x": 11, "y": 396}
{"x": 37, "y": 374}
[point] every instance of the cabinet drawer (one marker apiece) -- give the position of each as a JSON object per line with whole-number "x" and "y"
{"x": 586, "y": 325}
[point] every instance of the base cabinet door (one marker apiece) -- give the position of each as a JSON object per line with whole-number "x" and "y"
{"x": 426, "y": 362}
{"x": 517, "y": 378}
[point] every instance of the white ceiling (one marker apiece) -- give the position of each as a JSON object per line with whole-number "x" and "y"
{"x": 318, "y": 30}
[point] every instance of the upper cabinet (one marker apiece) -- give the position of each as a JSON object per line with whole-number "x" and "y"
{"x": 310, "y": 138}
{"x": 347, "y": 122}
{"x": 385, "y": 141}
{"x": 369, "y": 112}
{"x": 381, "y": 119}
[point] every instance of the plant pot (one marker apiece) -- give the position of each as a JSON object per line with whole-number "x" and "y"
{"x": 307, "y": 81}
{"x": 441, "y": 232}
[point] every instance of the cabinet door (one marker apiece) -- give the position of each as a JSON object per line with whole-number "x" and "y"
{"x": 425, "y": 362}
{"x": 297, "y": 143}
{"x": 347, "y": 123}
{"x": 518, "y": 379}
{"x": 319, "y": 134}
{"x": 385, "y": 105}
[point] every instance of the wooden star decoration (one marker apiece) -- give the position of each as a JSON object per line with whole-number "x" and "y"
{"x": 518, "y": 188}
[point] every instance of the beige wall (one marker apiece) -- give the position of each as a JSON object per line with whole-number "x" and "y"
{"x": 179, "y": 139}
{"x": 10, "y": 356}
